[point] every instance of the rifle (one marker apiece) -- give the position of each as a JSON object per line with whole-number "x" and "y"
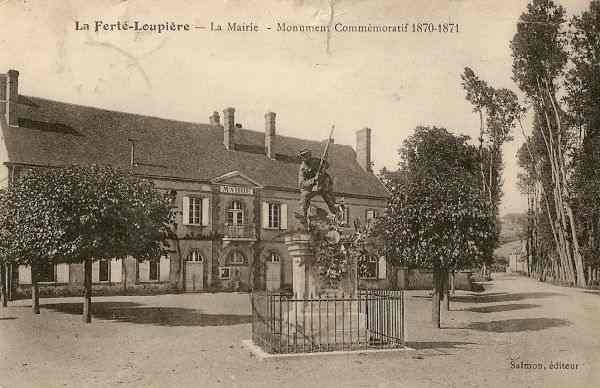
{"x": 323, "y": 158}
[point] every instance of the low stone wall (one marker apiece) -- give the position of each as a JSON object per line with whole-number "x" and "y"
{"x": 70, "y": 289}
{"x": 418, "y": 279}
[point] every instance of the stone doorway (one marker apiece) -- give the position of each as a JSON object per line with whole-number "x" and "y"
{"x": 273, "y": 269}
{"x": 194, "y": 272}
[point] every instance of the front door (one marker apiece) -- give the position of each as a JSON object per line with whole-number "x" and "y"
{"x": 194, "y": 272}
{"x": 273, "y": 276}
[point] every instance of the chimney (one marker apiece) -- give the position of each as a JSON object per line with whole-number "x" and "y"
{"x": 2, "y": 94}
{"x": 229, "y": 128}
{"x": 13, "y": 96}
{"x": 270, "y": 128}
{"x": 363, "y": 149}
{"x": 214, "y": 119}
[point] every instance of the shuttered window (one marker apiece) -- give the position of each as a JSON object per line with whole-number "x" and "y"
{"x": 283, "y": 215}
{"x": 24, "y": 274}
{"x": 196, "y": 211}
{"x": 274, "y": 215}
{"x": 382, "y": 268}
{"x": 165, "y": 268}
{"x": 144, "y": 270}
{"x": 53, "y": 273}
{"x": 95, "y": 271}
{"x": 62, "y": 273}
{"x": 103, "y": 271}
{"x": 116, "y": 271}
{"x": 154, "y": 270}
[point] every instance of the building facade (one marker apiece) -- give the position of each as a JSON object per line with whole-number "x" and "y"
{"x": 235, "y": 191}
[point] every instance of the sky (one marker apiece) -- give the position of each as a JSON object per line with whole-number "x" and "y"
{"x": 390, "y": 82}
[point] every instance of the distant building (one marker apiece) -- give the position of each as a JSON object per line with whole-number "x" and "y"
{"x": 517, "y": 260}
{"x": 236, "y": 191}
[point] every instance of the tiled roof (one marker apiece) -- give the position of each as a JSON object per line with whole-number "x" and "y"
{"x": 58, "y": 134}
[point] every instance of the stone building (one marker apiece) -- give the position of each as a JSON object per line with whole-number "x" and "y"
{"x": 236, "y": 190}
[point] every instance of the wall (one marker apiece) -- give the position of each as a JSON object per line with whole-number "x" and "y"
{"x": 415, "y": 279}
{"x": 129, "y": 284}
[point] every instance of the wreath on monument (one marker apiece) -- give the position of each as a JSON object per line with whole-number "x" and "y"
{"x": 336, "y": 249}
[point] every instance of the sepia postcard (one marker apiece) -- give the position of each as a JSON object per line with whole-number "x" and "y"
{"x": 292, "y": 193}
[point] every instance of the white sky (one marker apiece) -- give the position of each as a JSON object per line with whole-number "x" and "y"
{"x": 390, "y": 82}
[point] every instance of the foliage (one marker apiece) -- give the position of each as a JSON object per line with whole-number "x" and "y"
{"x": 499, "y": 111}
{"x": 6, "y": 226}
{"x": 334, "y": 256}
{"x": 582, "y": 85}
{"x": 558, "y": 160}
{"x": 437, "y": 215}
{"x": 78, "y": 213}
{"x": 538, "y": 47}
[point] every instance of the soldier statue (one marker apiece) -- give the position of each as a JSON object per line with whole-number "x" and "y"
{"x": 314, "y": 180}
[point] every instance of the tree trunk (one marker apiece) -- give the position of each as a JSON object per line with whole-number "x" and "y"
{"x": 452, "y": 288}
{"x": 87, "y": 290}
{"x": 35, "y": 292}
{"x": 446, "y": 290}
{"x": 436, "y": 297}
{"x": 3, "y": 295}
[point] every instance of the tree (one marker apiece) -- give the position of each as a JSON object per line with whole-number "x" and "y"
{"x": 81, "y": 214}
{"x": 437, "y": 217}
{"x": 582, "y": 86}
{"x": 539, "y": 50}
{"x": 5, "y": 239}
{"x": 32, "y": 232}
{"x": 498, "y": 111}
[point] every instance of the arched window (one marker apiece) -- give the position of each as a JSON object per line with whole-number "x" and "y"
{"x": 274, "y": 257}
{"x": 237, "y": 257}
{"x": 235, "y": 213}
{"x": 195, "y": 256}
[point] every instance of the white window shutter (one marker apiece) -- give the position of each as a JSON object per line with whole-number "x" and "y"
{"x": 186, "y": 210}
{"x": 116, "y": 270}
{"x": 284, "y": 216}
{"x": 24, "y": 274}
{"x": 346, "y": 215}
{"x": 205, "y": 211}
{"x": 62, "y": 273}
{"x": 382, "y": 270}
{"x": 165, "y": 268}
{"x": 265, "y": 214}
{"x": 144, "y": 271}
{"x": 95, "y": 271}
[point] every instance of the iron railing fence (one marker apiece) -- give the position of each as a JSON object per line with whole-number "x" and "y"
{"x": 239, "y": 232}
{"x": 370, "y": 319}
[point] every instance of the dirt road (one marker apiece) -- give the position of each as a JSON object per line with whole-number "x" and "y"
{"x": 512, "y": 335}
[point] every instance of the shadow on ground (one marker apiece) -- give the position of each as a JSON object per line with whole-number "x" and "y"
{"x": 162, "y": 316}
{"x": 502, "y": 297}
{"x": 593, "y": 292}
{"x": 502, "y": 307}
{"x": 7, "y": 318}
{"x": 437, "y": 345}
{"x": 518, "y": 325}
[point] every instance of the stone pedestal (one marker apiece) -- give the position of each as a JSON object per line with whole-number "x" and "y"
{"x": 305, "y": 278}
{"x": 313, "y": 320}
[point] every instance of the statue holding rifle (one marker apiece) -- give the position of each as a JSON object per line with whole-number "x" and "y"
{"x": 314, "y": 180}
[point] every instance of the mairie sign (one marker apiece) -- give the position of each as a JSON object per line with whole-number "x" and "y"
{"x": 236, "y": 190}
